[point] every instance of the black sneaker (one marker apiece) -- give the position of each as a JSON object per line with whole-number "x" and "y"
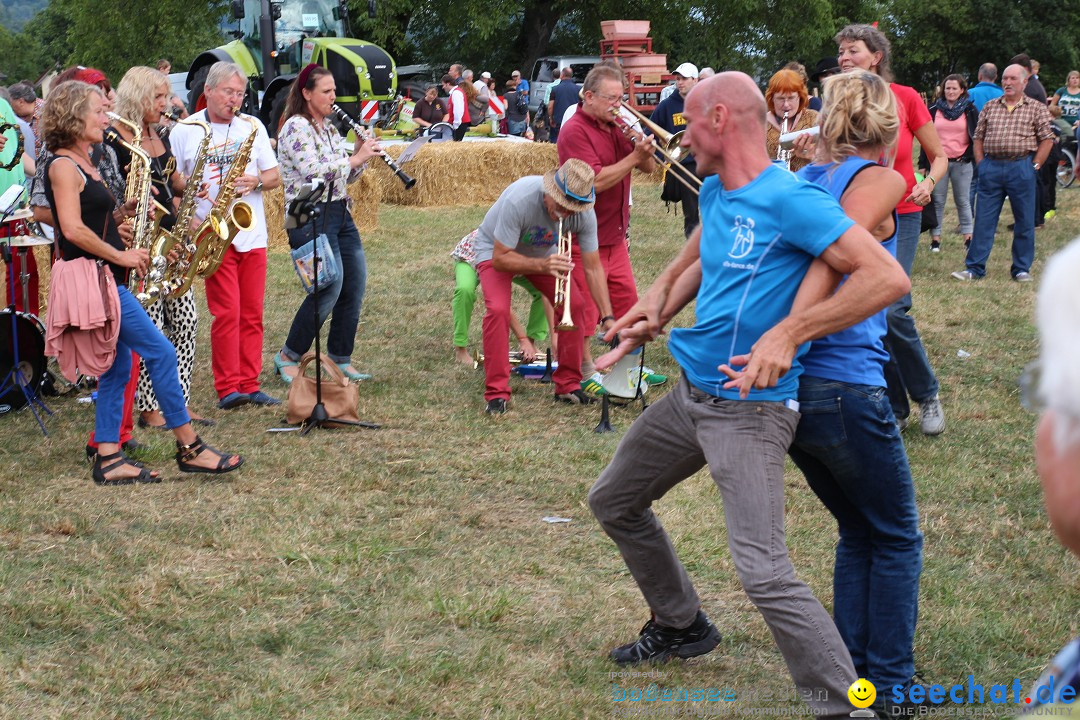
{"x": 496, "y": 406}
{"x": 576, "y": 397}
{"x": 659, "y": 644}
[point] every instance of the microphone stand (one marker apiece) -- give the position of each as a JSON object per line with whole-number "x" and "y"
{"x": 319, "y": 417}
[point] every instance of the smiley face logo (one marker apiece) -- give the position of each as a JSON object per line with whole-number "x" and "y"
{"x": 862, "y": 693}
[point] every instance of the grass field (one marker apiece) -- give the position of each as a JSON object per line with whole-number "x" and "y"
{"x": 406, "y": 572}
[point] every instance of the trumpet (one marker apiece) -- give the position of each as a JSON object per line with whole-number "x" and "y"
{"x": 667, "y": 146}
{"x": 362, "y": 136}
{"x": 562, "y": 284}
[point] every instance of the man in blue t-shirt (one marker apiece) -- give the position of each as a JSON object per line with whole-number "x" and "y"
{"x": 761, "y": 227}
{"x": 987, "y": 88}
{"x": 563, "y": 96}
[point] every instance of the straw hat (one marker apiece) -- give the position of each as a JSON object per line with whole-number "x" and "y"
{"x": 572, "y": 185}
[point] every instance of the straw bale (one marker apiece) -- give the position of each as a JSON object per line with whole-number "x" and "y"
{"x": 365, "y": 194}
{"x": 463, "y": 173}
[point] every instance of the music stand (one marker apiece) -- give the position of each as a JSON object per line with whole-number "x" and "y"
{"x": 15, "y": 377}
{"x": 303, "y": 210}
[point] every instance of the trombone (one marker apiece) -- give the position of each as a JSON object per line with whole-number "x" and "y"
{"x": 562, "y": 284}
{"x": 667, "y": 146}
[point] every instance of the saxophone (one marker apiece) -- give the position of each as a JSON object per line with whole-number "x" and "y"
{"x": 226, "y": 218}
{"x": 148, "y": 211}
{"x": 171, "y": 280}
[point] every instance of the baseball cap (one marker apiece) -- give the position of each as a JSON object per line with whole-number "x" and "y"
{"x": 687, "y": 70}
{"x": 486, "y": 75}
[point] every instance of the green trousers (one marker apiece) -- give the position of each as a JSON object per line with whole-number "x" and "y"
{"x": 465, "y": 297}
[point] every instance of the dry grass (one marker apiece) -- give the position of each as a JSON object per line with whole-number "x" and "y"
{"x": 406, "y": 572}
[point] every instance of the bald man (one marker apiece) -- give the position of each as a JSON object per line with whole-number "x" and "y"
{"x": 1011, "y": 143}
{"x": 760, "y": 230}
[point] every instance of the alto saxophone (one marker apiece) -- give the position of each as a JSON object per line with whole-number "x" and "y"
{"x": 172, "y": 280}
{"x": 148, "y": 211}
{"x": 226, "y": 218}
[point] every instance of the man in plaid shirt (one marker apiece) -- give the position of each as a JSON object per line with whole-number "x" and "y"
{"x": 1012, "y": 129}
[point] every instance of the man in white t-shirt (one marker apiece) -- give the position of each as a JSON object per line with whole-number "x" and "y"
{"x": 234, "y": 294}
{"x": 520, "y": 236}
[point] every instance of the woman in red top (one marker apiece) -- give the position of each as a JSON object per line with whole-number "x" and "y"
{"x": 908, "y": 371}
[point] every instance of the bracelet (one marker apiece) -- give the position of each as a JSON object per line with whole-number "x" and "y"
{"x": 933, "y": 182}
{"x": 606, "y": 318}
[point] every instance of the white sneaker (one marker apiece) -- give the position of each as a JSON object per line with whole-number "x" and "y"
{"x": 932, "y": 417}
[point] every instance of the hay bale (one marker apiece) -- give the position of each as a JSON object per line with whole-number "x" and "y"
{"x": 463, "y": 173}
{"x": 365, "y": 194}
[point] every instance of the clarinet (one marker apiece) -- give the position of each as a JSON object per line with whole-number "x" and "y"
{"x": 363, "y": 137}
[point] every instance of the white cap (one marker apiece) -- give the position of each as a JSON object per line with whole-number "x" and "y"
{"x": 516, "y": 73}
{"x": 687, "y": 70}
{"x": 487, "y": 76}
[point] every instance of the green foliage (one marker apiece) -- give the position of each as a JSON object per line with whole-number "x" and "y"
{"x": 112, "y": 35}
{"x": 14, "y": 14}
{"x": 931, "y": 40}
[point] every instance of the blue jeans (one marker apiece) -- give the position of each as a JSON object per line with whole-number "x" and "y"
{"x": 516, "y": 127}
{"x": 344, "y": 296}
{"x": 138, "y": 333}
{"x": 998, "y": 178}
{"x": 908, "y": 370}
{"x": 849, "y": 448}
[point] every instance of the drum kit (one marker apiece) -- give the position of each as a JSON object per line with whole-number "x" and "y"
{"x": 22, "y": 334}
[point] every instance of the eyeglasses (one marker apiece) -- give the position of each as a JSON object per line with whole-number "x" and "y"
{"x": 232, "y": 93}
{"x": 608, "y": 98}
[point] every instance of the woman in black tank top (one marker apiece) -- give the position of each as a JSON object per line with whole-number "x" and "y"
{"x": 141, "y": 98}
{"x": 72, "y": 120}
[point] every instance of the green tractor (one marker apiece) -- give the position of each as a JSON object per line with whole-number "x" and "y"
{"x": 275, "y": 39}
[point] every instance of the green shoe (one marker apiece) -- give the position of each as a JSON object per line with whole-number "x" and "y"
{"x": 653, "y": 378}
{"x": 593, "y": 385}
{"x": 357, "y": 376}
{"x": 279, "y": 364}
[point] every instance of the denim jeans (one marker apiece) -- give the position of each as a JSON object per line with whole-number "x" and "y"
{"x": 138, "y": 333}
{"x": 959, "y": 175}
{"x": 849, "y": 448}
{"x": 516, "y": 127}
{"x": 743, "y": 443}
{"x": 908, "y": 370}
{"x": 344, "y": 296}
{"x": 998, "y": 178}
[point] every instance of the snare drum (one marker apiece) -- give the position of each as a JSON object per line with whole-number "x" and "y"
{"x": 31, "y": 369}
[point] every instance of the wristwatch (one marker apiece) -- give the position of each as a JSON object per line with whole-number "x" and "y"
{"x": 258, "y": 187}
{"x": 1036, "y": 165}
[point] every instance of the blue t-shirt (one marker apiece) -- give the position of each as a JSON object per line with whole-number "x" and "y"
{"x": 856, "y": 355}
{"x": 756, "y": 245}
{"x": 983, "y": 93}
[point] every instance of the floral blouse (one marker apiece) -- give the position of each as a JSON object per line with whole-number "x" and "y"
{"x": 306, "y": 153}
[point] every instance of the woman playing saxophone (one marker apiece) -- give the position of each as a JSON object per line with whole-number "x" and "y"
{"x": 73, "y": 120}
{"x": 141, "y": 98}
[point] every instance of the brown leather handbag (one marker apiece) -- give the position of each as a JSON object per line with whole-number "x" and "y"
{"x": 339, "y": 396}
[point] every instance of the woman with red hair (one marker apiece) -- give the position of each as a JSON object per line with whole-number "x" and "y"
{"x": 786, "y": 96}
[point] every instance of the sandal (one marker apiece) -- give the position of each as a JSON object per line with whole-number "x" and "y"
{"x": 354, "y": 375}
{"x": 280, "y": 364}
{"x": 114, "y": 461}
{"x": 186, "y": 453}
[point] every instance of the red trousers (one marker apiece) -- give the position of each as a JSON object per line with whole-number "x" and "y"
{"x": 622, "y": 289}
{"x": 496, "y": 286}
{"x": 16, "y": 268}
{"x": 234, "y": 295}
{"x": 128, "y": 423}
